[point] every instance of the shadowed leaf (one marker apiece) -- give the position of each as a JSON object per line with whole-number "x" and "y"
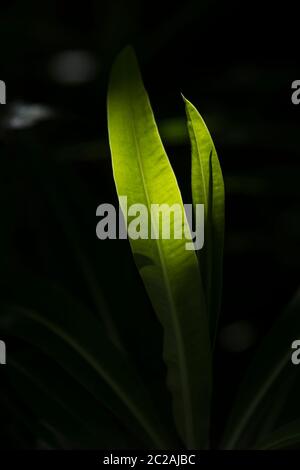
{"x": 208, "y": 189}
{"x": 69, "y": 334}
{"x": 274, "y": 358}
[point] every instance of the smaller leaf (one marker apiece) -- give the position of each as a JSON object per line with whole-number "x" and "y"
{"x": 208, "y": 189}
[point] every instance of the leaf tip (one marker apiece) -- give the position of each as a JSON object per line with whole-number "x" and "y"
{"x": 126, "y": 54}
{"x": 185, "y": 100}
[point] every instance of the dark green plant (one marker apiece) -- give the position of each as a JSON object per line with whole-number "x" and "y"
{"x": 82, "y": 384}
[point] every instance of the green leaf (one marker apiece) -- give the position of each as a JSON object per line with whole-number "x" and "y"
{"x": 142, "y": 172}
{"x": 271, "y": 361}
{"x": 65, "y": 331}
{"x": 286, "y": 437}
{"x": 208, "y": 189}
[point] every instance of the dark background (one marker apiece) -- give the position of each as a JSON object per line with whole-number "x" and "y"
{"x": 236, "y": 63}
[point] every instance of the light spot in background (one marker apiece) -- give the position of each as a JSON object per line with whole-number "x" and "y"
{"x": 238, "y": 337}
{"x": 22, "y": 115}
{"x": 174, "y": 131}
{"x": 73, "y": 67}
